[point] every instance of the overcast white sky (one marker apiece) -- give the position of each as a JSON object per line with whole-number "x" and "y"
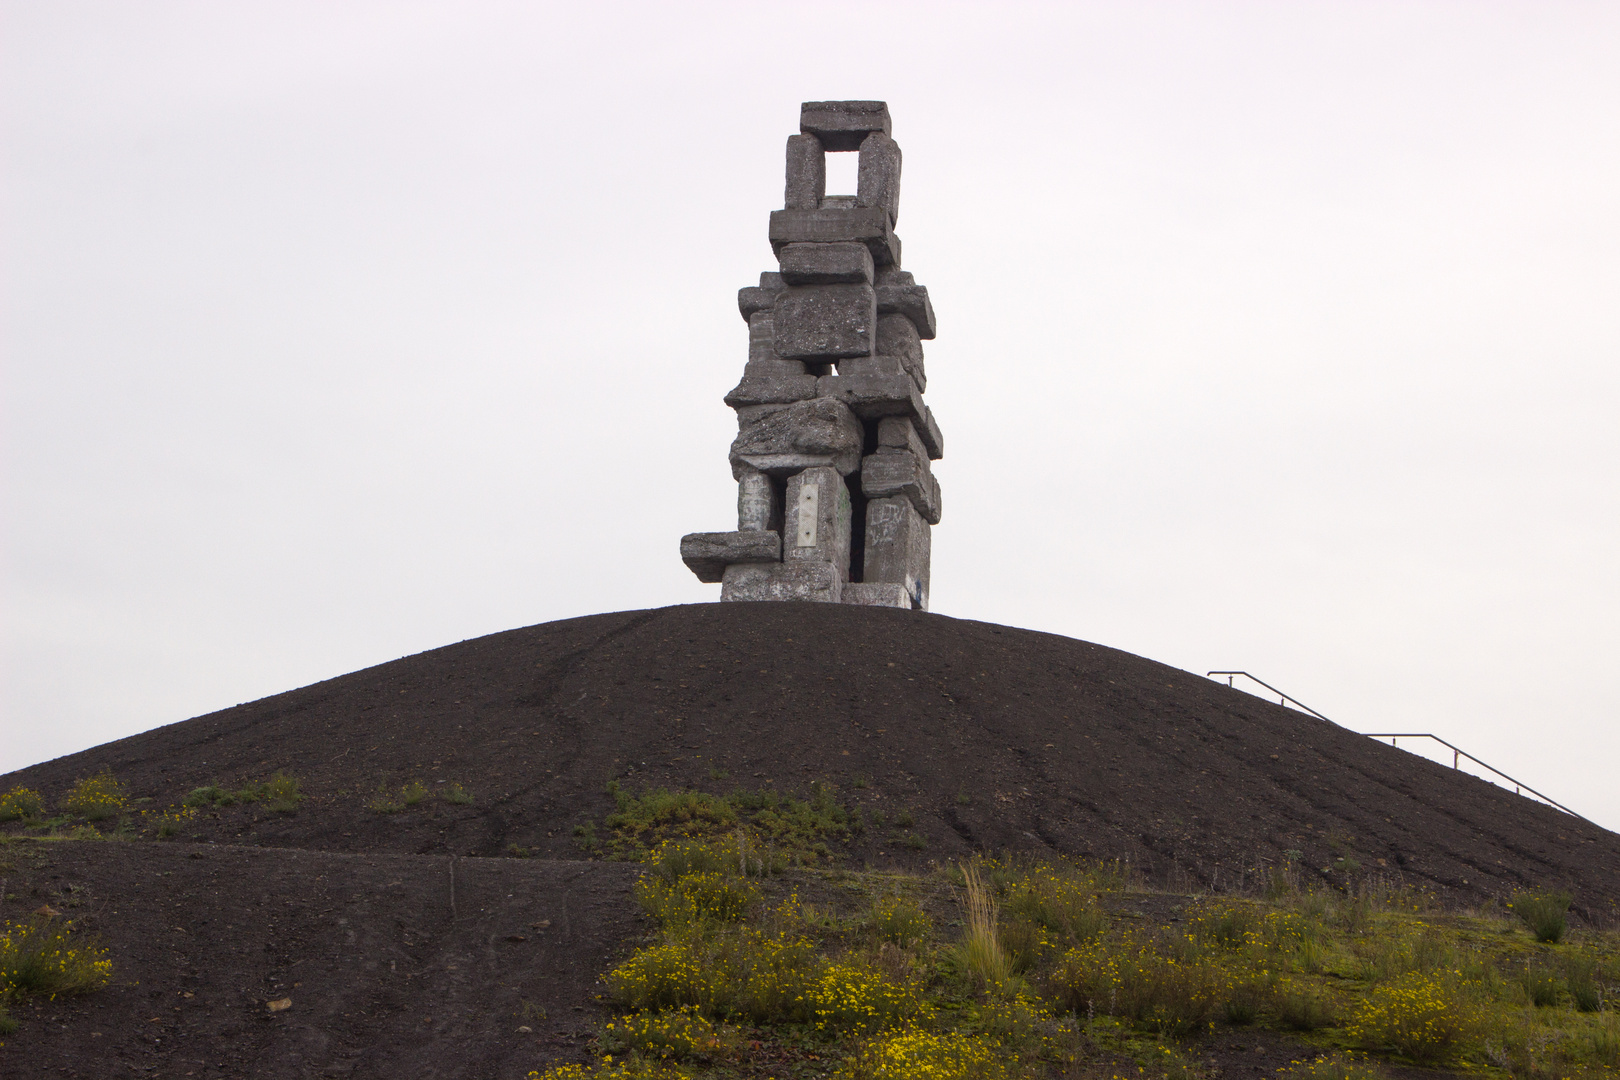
{"x": 1277, "y": 336}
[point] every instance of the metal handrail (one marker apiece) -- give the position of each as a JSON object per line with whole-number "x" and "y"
{"x": 1457, "y": 753}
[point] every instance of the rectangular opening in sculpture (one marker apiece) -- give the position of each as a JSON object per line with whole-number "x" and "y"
{"x": 842, "y": 171}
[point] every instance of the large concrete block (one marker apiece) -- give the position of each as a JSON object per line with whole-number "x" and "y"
{"x": 892, "y": 275}
{"x": 752, "y": 299}
{"x": 816, "y": 519}
{"x": 888, "y": 473}
{"x": 807, "y": 434}
{"x": 873, "y": 365}
{"x": 765, "y": 385}
{"x": 910, "y": 301}
{"x": 898, "y": 336}
{"x": 826, "y": 264}
{"x": 900, "y": 433}
{"x": 708, "y": 554}
{"x": 844, "y": 125}
{"x": 815, "y": 581}
{"x": 872, "y": 397}
{"x": 759, "y": 503}
{"x": 897, "y": 547}
{"x": 878, "y": 175}
{"x": 832, "y": 225}
{"x": 806, "y": 173}
{"x": 872, "y": 594}
{"x": 825, "y": 322}
{"x": 932, "y": 437}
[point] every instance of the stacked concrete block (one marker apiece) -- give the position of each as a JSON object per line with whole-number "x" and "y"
{"x": 836, "y": 494}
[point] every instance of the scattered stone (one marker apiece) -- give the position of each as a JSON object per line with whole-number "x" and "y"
{"x": 279, "y": 1005}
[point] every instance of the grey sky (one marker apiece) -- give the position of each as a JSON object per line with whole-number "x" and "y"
{"x": 1272, "y": 336}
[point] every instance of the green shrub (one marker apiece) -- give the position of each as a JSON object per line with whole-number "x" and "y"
{"x": 281, "y": 793}
{"x": 212, "y": 795}
{"x": 96, "y": 798}
{"x": 1419, "y": 1015}
{"x": 1580, "y": 976}
{"x": 800, "y": 829}
{"x": 1542, "y": 986}
{"x": 44, "y": 956}
{"x": 456, "y": 794}
{"x": 1546, "y": 913}
{"x": 855, "y": 999}
{"x": 1302, "y": 1010}
{"x": 676, "y": 1035}
{"x": 1136, "y": 980}
{"x": 696, "y": 898}
{"x": 741, "y": 974}
{"x": 413, "y": 793}
{"x": 21, "y": 804}
{"x": 900, "y": 921}
{"x": 925, "y": 1055}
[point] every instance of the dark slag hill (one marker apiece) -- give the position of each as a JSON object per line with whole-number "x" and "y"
{"x": 994, "y": 738}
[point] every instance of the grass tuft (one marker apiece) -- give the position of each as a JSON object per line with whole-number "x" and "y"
{"x": 1545, "y": 912}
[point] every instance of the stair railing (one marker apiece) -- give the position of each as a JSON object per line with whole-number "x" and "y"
{"x": 1457, "y": 753}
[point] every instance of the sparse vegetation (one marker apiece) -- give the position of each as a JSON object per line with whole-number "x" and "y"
{"x": 456, "y": 795}
{"x": 96, "y": 798}
{"x": 1053, "y": 973}
{"x": 44, "y": 955}
{"x": 21, "y": 804}
{"x": 1545, "y": 913}
{"x": 798, "y": 831}
{"x": 280, "y": 794}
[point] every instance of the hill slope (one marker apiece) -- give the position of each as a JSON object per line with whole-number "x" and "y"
{"x": 990, "y": 737}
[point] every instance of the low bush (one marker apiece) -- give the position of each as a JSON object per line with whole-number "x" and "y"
{"x": 696, "y": 898}
{"x": 21, "y": 804}
{"x": 1542, "y": 986}
{"x": 1545, "y": 912}
{"x": 43, "y": 955}
{"x": 413, "y": 793}
{"x": 742, "y": 973}
{"x": 281, "y": 793}
{"x": 676, "y": 1035}
{"x": 1420, "y": 1015}
{"x": 96, "y": 798}
{"x": 855, "y": 999}
{"x": 925, "y": 1055}
{"x": 900, "y": 921}
{"x": 456, "y": 794}
{"x": 799, "y": 830}
{"x": 1136, "y": 980}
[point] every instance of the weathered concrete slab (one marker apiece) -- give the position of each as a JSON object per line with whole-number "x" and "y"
{"x": 910, "y": 301}
{"x": 844, "y": 125}
{"x": 806, "y": 173}
{"x": 826, "y": 264}
{"x": 816, "y": 519}
{"x": 753, "y": 299}
{"x": 899, "y": 472}
{"x": 873, "y": 594}
{"x": 898, "y": 547}
{"x": 771, "y": 389}
{"x": 831, "y": 225}
{"x": 878, "y": 175}
{"x": 759, "y": 504}
{"x": 872, "y": 397}
{"x": 825, "y": 322}
{"x": 898, "y": 336}
{"x": 806, "y": 434}
{"x": 708, "y": 554}
{"x": 814, "y": 581}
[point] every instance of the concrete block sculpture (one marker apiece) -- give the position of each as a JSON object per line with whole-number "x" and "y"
{"x": 836, "y": 495}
